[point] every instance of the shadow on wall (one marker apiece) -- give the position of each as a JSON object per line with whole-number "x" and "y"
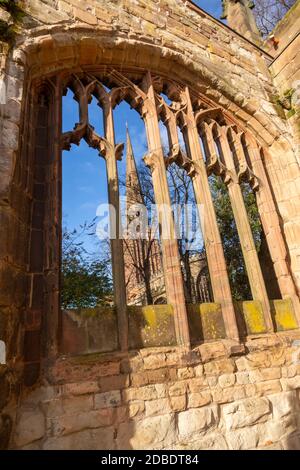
{"x": 85, "y": 403}
{"x": 91, "y": 330}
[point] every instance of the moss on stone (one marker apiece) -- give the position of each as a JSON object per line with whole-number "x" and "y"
{"x": 253, "y": 316}
{"x": 94, "y": 312}
{"x": 284, "y": 315}
{"x": 206, "y": 322}
{"x": 151, "y": 326}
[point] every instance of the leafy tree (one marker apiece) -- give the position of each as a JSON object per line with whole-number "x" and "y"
{"x": 229, "y": 235}
{"x": 85, "y": 278}
{"x": 181, "y": 194}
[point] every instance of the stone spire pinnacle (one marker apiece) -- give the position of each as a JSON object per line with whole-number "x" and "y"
{"x": 240, "y": 18}
{"x": 133, "y": 186}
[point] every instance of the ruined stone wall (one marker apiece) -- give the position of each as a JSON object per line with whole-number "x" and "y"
{"x": 285, "y": 70}
{"x": 168, "y": 399}
{"x": 171, "y": 38}
{"x": 164, "y": 36}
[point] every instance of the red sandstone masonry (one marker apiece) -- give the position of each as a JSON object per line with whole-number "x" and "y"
{"x": 208, "y": 400}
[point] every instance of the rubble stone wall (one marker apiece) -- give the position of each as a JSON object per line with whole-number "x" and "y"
{"x": 166, "y": 398}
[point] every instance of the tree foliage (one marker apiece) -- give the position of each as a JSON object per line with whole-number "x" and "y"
{"x": 181, "y": 192}
{"x": 230, "y": 238}
{"x": 85, "y": 278}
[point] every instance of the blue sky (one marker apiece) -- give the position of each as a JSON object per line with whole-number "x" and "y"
{"x": 84, "y": 172}
{"x": 213, "y": 7}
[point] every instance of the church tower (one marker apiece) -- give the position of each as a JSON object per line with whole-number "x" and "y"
{"x": 142, "y": 257}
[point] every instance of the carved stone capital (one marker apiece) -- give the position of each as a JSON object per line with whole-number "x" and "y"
{"x": 152, "y": 160}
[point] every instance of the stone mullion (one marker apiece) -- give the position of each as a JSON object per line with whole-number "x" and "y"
{"x": 272, "y": 229}
{"x": 250, "y": 255}
{"x": 117, "y": 254}
{"x": 213, "y": 244}
{"x": 53, "y": 227}
{"x": 170, "y": 253}
{"x": 171, "y": 126}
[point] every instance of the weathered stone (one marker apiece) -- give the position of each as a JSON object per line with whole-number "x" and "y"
{"x": 143, "y": 393}
{"x": 219, "y": 367}
{"x": 145, "y": 434}
{"x": 227, "y": 380}
{"x": 246, "y": 412}
{"x": 107, "y": 399}
{"x": 214, "y": 441}
{"x": 268, "y": 387}
{"x": 136, "y": 408}
{"x": 261, "y": 375}
{"x": 177, "y": 389}
{"x": 30, "y": 427}
{"x": 196, "y": 400}
{"x": 283, "y": 404}
{"x": 225, "y": 93}
{"x": 95, "y": 439}
{"x": 178, "y": 403}
{"x": 156, "y": 407}
{"x": 197, "y": 421}
{"x": 291, "y": 384}
{"x": 81, "y": 388}
{"x": 78, "y": 404}
{"x": 185, "y": 373}
{"x": 243, "y": 439}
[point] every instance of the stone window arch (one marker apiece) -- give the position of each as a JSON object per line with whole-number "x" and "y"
{"x": 230, "y": 151}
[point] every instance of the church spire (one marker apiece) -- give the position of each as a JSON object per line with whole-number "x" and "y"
{"x": 133, "y": 186}
{"x": 240, "y": 18}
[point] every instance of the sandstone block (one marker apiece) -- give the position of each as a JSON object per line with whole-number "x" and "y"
{"x": 178, "y": 403}
{"x": 142, "y": 393}
{"x": 197, "y": 421}
{"x": 283, "y": 404}
{"x": 108, "y": 399}
{"x": 94, "y": 439}
{"x": 136, "y": 408}
{"x": 291, "y": 384}
{"x": 185, "y": 373}
{"x": 156, "y": 407}
{"x": 246, "y": 412}
{"x": 77, "y": 404}
{"x": 113, "y": 382}
{"x": 81, "y": 388}
{"x": 179, "y": 388}
{"x": 85, "y": 16}
{"x": 197, "y": 384}
{"x": 260, "y": 375}
{"x": 268, "y": 387}
{"x": 147, "y": 433}
{"x": 221, "y": 366}
{"x": 196, "y": 400}
{"x": 243, "y": 439}
{"x": 67, "y": 424}
{"x": 227, "y": 380}
{"x": 30, "y": 427}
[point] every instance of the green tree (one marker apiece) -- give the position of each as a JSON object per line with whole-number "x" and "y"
{"x": 85, "y": 278}
{"x": 229, "y": 235}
